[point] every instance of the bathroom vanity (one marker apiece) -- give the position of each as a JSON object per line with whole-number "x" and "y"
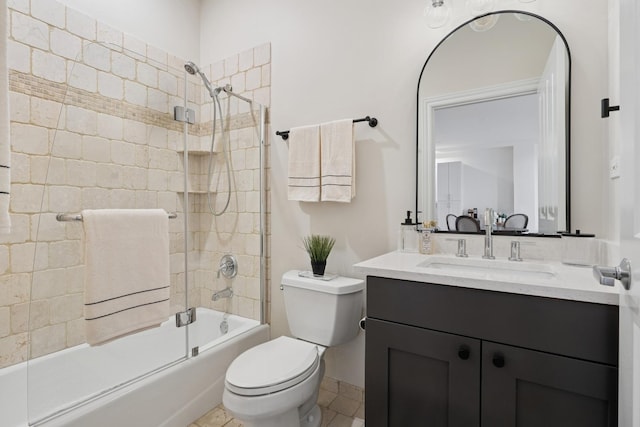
{"x": 453, "y": 342}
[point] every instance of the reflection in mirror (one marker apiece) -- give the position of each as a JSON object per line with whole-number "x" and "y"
{"x": 493, "y": 124}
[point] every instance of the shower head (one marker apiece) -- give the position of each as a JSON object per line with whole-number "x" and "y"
{"x": 193, "y": 69}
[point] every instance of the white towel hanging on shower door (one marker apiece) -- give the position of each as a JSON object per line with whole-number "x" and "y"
{"x": 126, "y": 271}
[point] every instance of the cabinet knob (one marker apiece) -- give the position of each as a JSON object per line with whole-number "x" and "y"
{"x": 464, "y": 352}
{"x": 498, "y": 360}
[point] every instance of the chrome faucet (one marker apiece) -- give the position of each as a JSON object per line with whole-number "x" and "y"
{"x": 488, "y": 238}
{"x": 225, "y": 293}
{"x": 462, "y": 248}
{"x": 515, "y": 251}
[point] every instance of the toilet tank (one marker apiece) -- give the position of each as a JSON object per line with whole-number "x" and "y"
{"x": 325, "y": 312}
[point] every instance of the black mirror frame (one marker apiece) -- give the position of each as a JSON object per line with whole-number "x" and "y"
{"x": 568, "y": 107}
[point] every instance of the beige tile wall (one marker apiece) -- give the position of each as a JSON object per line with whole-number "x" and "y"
{"x": 238, "y": 230}
{"x": 92, "y": 127}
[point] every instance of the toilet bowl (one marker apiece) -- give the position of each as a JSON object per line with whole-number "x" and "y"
{"x": 276, "y": 384}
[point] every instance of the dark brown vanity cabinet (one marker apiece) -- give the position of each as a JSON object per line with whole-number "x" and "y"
{"x": 446, "y": 356}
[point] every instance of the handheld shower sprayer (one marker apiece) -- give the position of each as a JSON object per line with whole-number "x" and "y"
{"x": 193, "y": 69}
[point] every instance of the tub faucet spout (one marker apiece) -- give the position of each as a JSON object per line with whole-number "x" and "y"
{"x": 225, "y": 293}
{"x": 488, "y": 238}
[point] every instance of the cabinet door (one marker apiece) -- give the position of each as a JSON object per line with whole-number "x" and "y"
{"x": 527, "y": 388}
{"x": 420, "y": 377}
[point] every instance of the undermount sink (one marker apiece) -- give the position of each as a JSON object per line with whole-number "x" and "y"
{"x": 489, "y": 267}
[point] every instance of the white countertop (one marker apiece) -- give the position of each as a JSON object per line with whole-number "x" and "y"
{"x": 545, "y": 278}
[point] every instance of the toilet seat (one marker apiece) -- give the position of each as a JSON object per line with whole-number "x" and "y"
{"x": 273, "y": 366}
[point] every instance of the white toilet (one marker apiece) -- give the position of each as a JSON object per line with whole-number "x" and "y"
{"x": 276, "y": 384}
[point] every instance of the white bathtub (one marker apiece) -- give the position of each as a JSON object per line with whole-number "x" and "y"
{"x": 173, "y": 395}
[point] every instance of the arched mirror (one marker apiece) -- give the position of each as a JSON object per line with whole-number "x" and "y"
{"x": 493, "y": 123}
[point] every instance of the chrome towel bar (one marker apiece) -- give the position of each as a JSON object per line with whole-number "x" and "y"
{"x": 78, "y": 217}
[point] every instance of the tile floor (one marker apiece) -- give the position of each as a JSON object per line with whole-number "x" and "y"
{"x": 342, "y": 405}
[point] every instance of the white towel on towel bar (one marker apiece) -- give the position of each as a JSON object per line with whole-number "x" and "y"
{"x": 304, "y": 164}
{"x": 338, "y": 161}
{"x": 126, "y": 271}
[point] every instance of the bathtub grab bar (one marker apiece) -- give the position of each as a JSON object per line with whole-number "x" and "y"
{"x": 78, "y": 217}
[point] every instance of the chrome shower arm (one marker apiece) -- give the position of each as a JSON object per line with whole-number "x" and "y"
{"x": 229, "y": 91}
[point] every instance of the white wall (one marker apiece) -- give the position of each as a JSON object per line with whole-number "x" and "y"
{"x": 335, "y": 59}
{"x": 170, "y": 25}
{"x": 610, "y": 207}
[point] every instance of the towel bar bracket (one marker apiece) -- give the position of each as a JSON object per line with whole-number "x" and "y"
{"x": 187, "y": 317}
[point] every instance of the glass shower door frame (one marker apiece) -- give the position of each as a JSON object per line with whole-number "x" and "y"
{"x": 48, "y": 374}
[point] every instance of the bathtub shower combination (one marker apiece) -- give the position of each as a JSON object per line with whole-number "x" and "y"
{"x": 82, "y": 386}
{"x": 144, "y": 151}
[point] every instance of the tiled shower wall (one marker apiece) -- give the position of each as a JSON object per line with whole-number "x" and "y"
{"x": 237, "y": 231}
{"x": 92, "y": 127}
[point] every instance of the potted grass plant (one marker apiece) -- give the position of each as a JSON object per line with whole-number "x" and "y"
{"x": 318, "y": 247}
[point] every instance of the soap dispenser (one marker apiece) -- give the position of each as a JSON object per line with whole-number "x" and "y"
{"x": 408, "y": 238}
{"x": 424, "y": 241}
